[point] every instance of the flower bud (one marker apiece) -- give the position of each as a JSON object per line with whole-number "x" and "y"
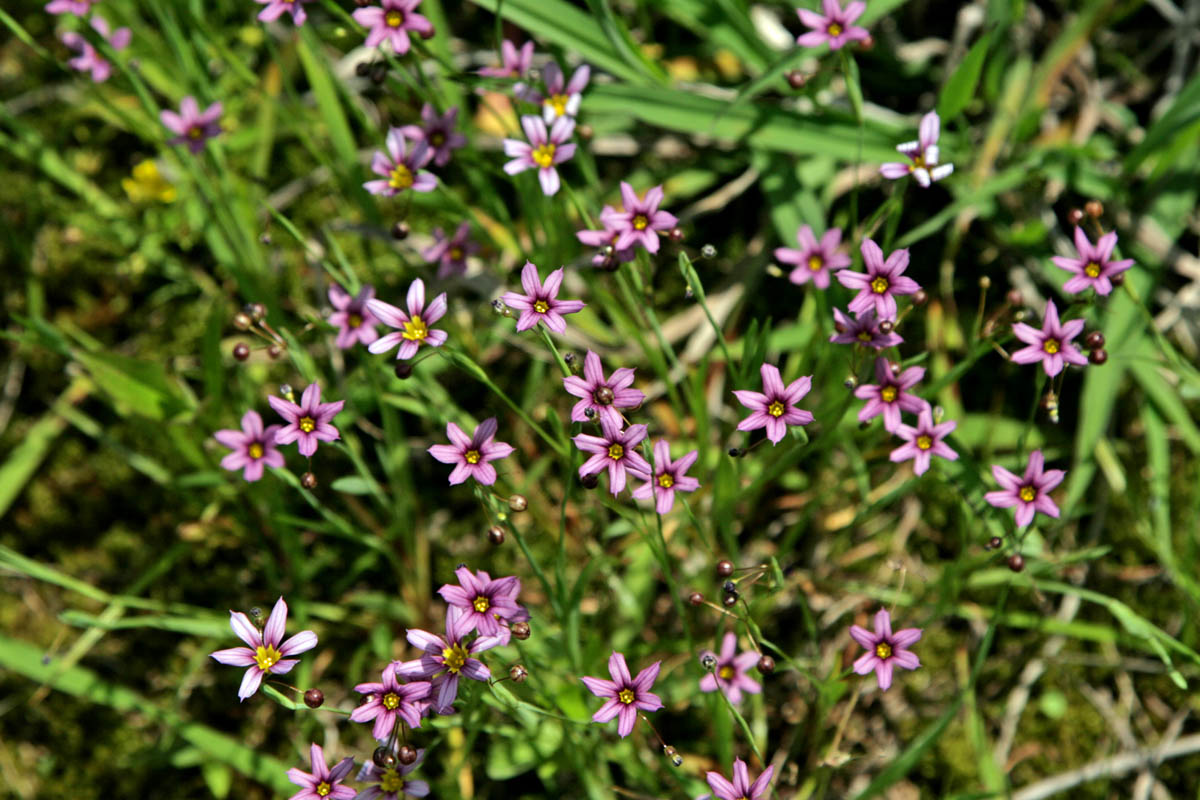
{"x": 866, "y": 43}
{"x": 886, "y": 326}
{"x": 729, "y": 587}
{"x": 730, "y": 599}
{"x": 1098, "y": 357}
{"x": 995, "y": 543}
{"x": 1118, "y": 279}
{"x": 920, "y": 297}
{"x": 696, "y": 599}
{"x": 242, "y": 321}
{"x": 285, "y": 391}
{"x": 585, "y": 132}
{"x": 766, "y": 665}
{"x": 724, "y": 568}
{"x": 708, "y": 251}
{"x": 985, "y": 282}
{"x": 1094, "y": 340}
{"x": 1074, "y": 216}
{"x": 274, "y": 351}
{"x": 383, "y": 758}
{"x": 255, "y": 614}
{"x": 313, "y": 698}
{"x": 708, "y": 661}
{"x": 518, "y": 673}
{"x": 496, "y": 534}
{"x": 403, "y": 370}
{"x": 589, "y": 481}
{"x": 796, "y": 79}
{"x": 604, "y": 396}
{"x": 308, "y": 481}
{"x": 1094, "y": 209}
{"x": 257, "y": 311}
{"x": 1014, "y": 298}
{"x": 736, "y": 452}
{"x": 850, "y": 383}
{"x": 676, "y": 234}
{"x": 569, "y": 357}
{"x": 518, "y": 503}
{"x": 1016, "y": 563}
{"x": 671, "y": 753}
{"x": 520, "y": 630}
{"x": 400, "y": 231}
{"x": 407, "y": 754}
{"x": 241, "y": 351}
{"x": 589, "y": 412}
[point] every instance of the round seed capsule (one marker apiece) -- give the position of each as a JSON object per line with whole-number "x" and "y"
{"x": 995, "y": 543}
{"x": 730, "y": 599}
{"x": 589, "y": 481}
{"x": 313, "y": 698}
{"x": 1094, "y": 340}
{"x": 407, "y": 754}
{"x": 796, "y": 79}
{"x": 1075, "y": 216}
{"x": 604, "y": 396}
{"x": 520, "y": 630}
{"x": 708, "y": 661}
{"x": 257, "y": 311}
{"x": 724, "y": 568}
{"x": 400, "y": 231}
{"x": 676, "y": 234}
{"x": 696, "y": 599}
{"x": 1094, "y": 209}
{"x": 403, "y": 370}
{"x": 496, "y": 534}
{"x": 383, "y": 758}
{"x": 1016, "y": 563}
{"x": 708, "y": 251}
{"x": 241, "y": 351}
{"x": 308, "y": 480}
{"x": 518, "y": 673}
{"x": 242, "y": 321}
{"x": 518, "y": 502}
{"x": 274, "y": 351}
{"x": 766, "y": 665}
{"x": 1098, "y": 357}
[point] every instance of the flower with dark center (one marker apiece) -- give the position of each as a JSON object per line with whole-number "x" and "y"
{"x": 437, "y": 130}
{"x": 322, "y": 783}
{"x": 883, "y": 281}
{"x": 605, "y": 404}
{"x": 391, "y": 22}
{"x": 389, "y": 700}
{"x": 885, "y": 650}
{"x": 814, "y": 261}
{"x": 740, "y": 788}
{"x": 485, "y": 602}
{"x": 354, "y": 319}
{"x": 729, "y": 671}
{"x": 1029, "y": 493}
{"x": 540, "y": 302}
{"x": 624, "y": 695}
{"x": 1052, "y": 344}
{"x": 774, "y": 407}
{"x": 267, "y": 651}
{"x": 253, "y": 447}
{"x": 309, "y": 422}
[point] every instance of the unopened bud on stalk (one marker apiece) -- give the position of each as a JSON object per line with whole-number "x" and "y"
{"x": 383, "y": 758}
{"x": 867, "y": 43}
{"x": 708, "y": 661}
{"x": 496, "y": 534}
{"x": 985, "y": 282}
{"x": 695, "y": 598}
{"x": 406, "y": 754}
{"x": 589, "y": 481}
{"x": 403, "y": 370}
{"x": 724, "y": 568}
{"x": 257, "y": 311}
{"x": 585, "y": 132}
{"x": 518, "y": 673}
{"x": 308, "y": 481}
{"x": 736, "y": 452}
{"x": 920, "y": 297}
{"x": 241, "y": 351}
{"x": 274, "y": 351}
{"x": 676, "y": 234}
{"x": 851, "y": 382}
{"x": 796, "y": 79}
{"x": 1094, "y": 209}
{"x": 670, "y": 752}
{"x": 766, "y": 665}
{"x": 313, "y": 698}
{"x": 1014, "y": 298}
{"x": 1016, "y": 563}
{"x": 730, "y": 599}
{"x": 518, "y": 503}
{"x": 1074, "y": 216}
{"x": 1094, "y": 340}
{"x": 708, "y": 251}
{"x": 886, "y": 326}
{"x": 994, "y": 543}
{"x": 242, "y": 321}
{"x": 520, "y": 630}
{"x": 400, "y": 231}
{"x": 1098, "y": 356}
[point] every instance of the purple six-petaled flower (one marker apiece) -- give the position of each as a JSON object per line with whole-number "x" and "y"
{"x": 514, "y": 63}
{"x": 834, "y": 26}
{"x": 390, "y": 782}
{"x": 730, "y": 674}
{"x": 1051, "y": 345}
{"x": 414, "y": 328}
{"x": 391, "y": 22}
{"x": 354, "y": 319}
{"x": 863, "y": 330}
{"x": 322, "y": 783}
{"x": 667, "y": 478}
{"x": 471, "y": 454}
{"x": 774, "y": 408}
{"x": 485, "y": 602}
{"x": 308, "y": 423}
{"x": 192, "y": 126}
{"x": 277, "y": 8}
{"x": 543, "y": 152}
{"x": 625, "y": 695}
{"x": 445, "y": 658}
{"x": 253, "y": 447}
{"x": 401, "y": 167}
{"x": 606, "y": 237}
{"x": 450, "y": 254}
{"x": 641, "y": 220}
{"x": 562, "y": 98}
{"x": 814, "y": 260}
{"x": 881, "y": 283}
{"x": 615, "y": 451}
{"x": 1092, "y": 266}
{"x": 540, "y": 302}
{"x": 267, "y": 652}
{"x": 740, "y": 788}
{"x": 889, "y": 394}
{"x": 89, "y": 59}
{"x": 1029, "y": 493}
{"x": 602, "y": 395}
{"x": 437, "y": 131}
{"x": 885, "y": 650}
{"x": 923, "y": 155}
{"x": 924, "y": 441}
{"x": 388, "y": 700}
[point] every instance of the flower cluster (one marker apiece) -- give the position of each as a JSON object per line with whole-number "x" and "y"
{"x": 307, "y": 423}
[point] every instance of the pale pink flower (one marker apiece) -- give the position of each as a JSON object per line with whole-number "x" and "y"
{"x": 514, "y": 63}
{"x": 414, "y": 328}
{"x": 309, "y": 422}
{"x": 924, "y": 441}
{"x": 889, "y": 394}
{"x": 78, "y": 7}
{"x": 471, "y": 454}
{"x": 1051, "y": 345}
{"x": 253, "y": 447}
{"x": 625, "y": 695}
{"x": 401, "y": 167}
{"x": 814, "y": 260}
{"x": 322, "y": 783}
{"x": 667, "y": 478}
{"x": 540, "y": 302}
{"x": 388, "y": 700}
{"x": 192, "y": 126}
{"x": 391, "y": 23}
{"x": 89, "y": 59}
{"x": 740, "y": 788}
{"x": 277, "y": 8}
{"x": 923, "y": 154}
{"x": 1092, "y": 266}
{"x": 543, "y": 152}
{"x": 834, "y": 26}
{"x": 885, "y": 650}
{"x": 641, "y": 219}
{"x": 562, "y": 99}
{"x": 602, "y": 395}
{"x": 730, "y": 674}
{"x": 775, "y": 407}
{"x": 606, "y": 237}
{"x": 614, "y": 450}
{"x": 881, "y": 283}
{"x": 1030, "y": 493}
{"x": 266, "y": 653}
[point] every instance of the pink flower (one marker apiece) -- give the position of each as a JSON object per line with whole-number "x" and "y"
{"x": 889, "y": 395}
{"x": 402, "y": 170}
{"x": 190, "y": 125}
{"x": 641, "y": 219}
{"x": 445, "y": 658}
{"x": 391, "y": 24}
{"x": 922, "y": 153}
{"x": 814, "y": 261}
{"x": 606, "y": 237}
{"x": 924, "y": 441}
{"x": 514, "y": 63}
{"x": 740, "y": 788}
{"x": 560, "y": 100}
{"x": 834, "y": 27}
{"x": 729, "y": 675}
{"x": 322, "y": 783}
{"x": 77, "y": 7}
{"x": 89, "y": 59}
{"x": 774, "y": 408}
{"x": 450, "y": 254}
{"x": 881, "y": 283}
{"x": 626, "y": 695}
{"x": 485, "y": 602}
{"x": 437, "y": 131}
{"x": 253, "y": 447}
{"x": 543, "y": 151}
{"x": 308, "y": 422}
{"x": 1030, "y": 493}
{"x": 863, "y": 330}
{"x": 265, "y": 655}
{"x": 471, "y": 454}
{"x": 668, "y": 477}
{"x": 354, "y": 319}
{"x": 885, "y": 650}
{"x": 615, "y": 451}
{"x": 1092, "y": 267}
{"x": 277, "y": 8}
{"x": 540, "y": 302}
{"x": 388, "y": 701}
{"x": 414, "y": 328}
{"x": 603, "y": 396}
{"x": 1051, "y": 345}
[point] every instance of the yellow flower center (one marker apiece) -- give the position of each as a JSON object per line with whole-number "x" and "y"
{"x": 725, "y": 673}
{"x": 390, "y": 781}
{"x": 541, "y": 306}
{"x": 888, "y": 394}
{"x": 1092, "y": 270}
{"x": 354, "y": 320}
{"x": 666, "y": 481}
{"x": 883, "y": 650}
{"x": 775, "y": 409}
{"x": 558, "y": 102}
{"x": 323, "y": 789}
{"x": 256, "y": 450}
{"x": 864, "y": 336}
{"x": 391, "y": 701}
{"x": 924, "y": 442}
{"x": 616, "y": 452}
{"x": 415, "y": 329}
{"x": 640, "y": 222}
{"x": 456, "y": 254}
{"x": 918, "y": 162}
{"x": 834, "y": 29}
{"x": 472, "y": 456}
{"x": 815, "y": 263}
{"x": 1051, "y": 346}
{"x": 437, "y": 138}
{"x": 401, "y": 177}
{"x": 879, "y": 285}
{"x": 543, "y": 155}
{"x": 307, "y": 424}
{"x": 455, "y": 657}
{"x": 195, "y": 132}
{"x": 626, "y": 696}
{"x": 394, "y": 18}
{"x": 481, "y": 604}
{"x": 266, "y": 657}
{"x": 1027, "y": 493}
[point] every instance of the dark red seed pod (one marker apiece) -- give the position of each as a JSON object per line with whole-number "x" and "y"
{"x": 766, "y": 665}
{"x": 400, "y": 231}
{"x": 1075, "y": 216}
{"x": 313, "y": 698}
{"x": 696, "y": 599}
{"x": 308, "y": 480}
{"x": 920, "y": 297}
{"x": 1094, "y": 340}
{"x": 1098, "y": 357}
{"x": 496, "y": 534}
{"x": 407, "y": 754}
{"x": 724, "y": 568}
{"x": 676, "y": 234}
{"x": 995, "y": 543}
{"x": 589, "y": 481}
{"x": 383, "y": 758}
{"x": 520, "y": 630}
{"x": 796, "y": 79}
{"x": 604, "y": 396}
{"x": 1094, "y": 209}
{"x": 241, "y": 351}
{"x": 518, "y": 503}
{"x": 1016, "y": 563}
{"x": 730, "y": 599}
{"x": 242, "y": 321}
{"x": 1014, "y": 298}
{"x": 403, "y": 370}
{"x": 1118, "y": 279}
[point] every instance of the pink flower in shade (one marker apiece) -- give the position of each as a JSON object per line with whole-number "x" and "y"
{"x": 775, "y": 407}
{"x": 253, "y": 447}
{"x": 605, "y": 237}
{"x": 401, "y": 167}
{"x": 484, "y": 602}
{"x": 191, "y": 126}
{"x": 626, "y": 695}
{"x": 543, "y": 151}
{"x": 89, "y": 59}
{"x": 322, "y": 783}
{"x": 265, "y": 654}
{"x": 277, "y": 8}
{"x": 414, "y": 328}
{"x": 615, "y": 451}
{"x": 437, "y": 131}
{"x": 540, "y": 302}
{"x": 77, "y": 7}
{"x": 668, "y": 477}
{"x": 355, "y": 321}
{"x": 445, "y": 658}
{"x": 814, "y": 260}
{"x": 922, "y": 153}
{"x": 561, "y": 99}
{"x": 308, "y": 423}
{"x": 729, "y": 675}
{"x": 882, "y": 281}
{"x": 885, "y": 650}
{"x": 391, "y": 24}
{"x": 390, "y": 784}
{"x": 602, "y": 395}
{"x": 834, "y": 26}
{"x": 514, "y": 63}
{"x": 740, "y": 788}
{"x": 450, "y": 254}
{"x": 863, "y": 330}
{"x": 471, "y": 454}
{"x": 388, "y": 701}
{"x": 924, "y": 441}
{"x": 1051, "y": 345}
{"x": 889, "y": 394}
{"x": 1030, "y": 493}
{"x": 1092, "y": 267}
{"x": 641, "y": 219}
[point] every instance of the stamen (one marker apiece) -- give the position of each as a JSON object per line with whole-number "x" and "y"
{"x": 888, "y": 394}
{"x": 616, "y": 452}
{"x": 266, "y": 657}
{"x": 1027, "y": 493}
{"x": 666, "y": 481}
{"x": 815, "y": 263}
{"x": 1092, "y": 270}
{"x": 558, "y": 102}
{"x": 883, "y": 650}
{"x": 775, "y": 409}
{"x": 355, "y": 320}
{"x": 391, "y": 701}
{"x": 541, "y": 306}
{"x": 454, "y": 658}
{"x": 879, "y": 285}
{"x": 394, "y": 18}
{"x": 481, "y": 604}
{"x": 640, "y": 222}
{"x": 543, "y": 155}
{"x": 415, "y": 329}
{"x": 323, "y": 789}
{"x": 307, "y": 424}
{"x": 256, "y": 450}
{"x": 626, "y": 696}
{"x": 725, "y": 673}
{"x": 390, "y": 781}
{"x": 924, "y": 442}
{"x": 456, "y": 254}
{"x": 437, "y": 139}
{"x": 1051, "y": 346}
{"x": 401, "y": 177}
{"x": 834, "y": 29}
{"x": 472, "y": 456}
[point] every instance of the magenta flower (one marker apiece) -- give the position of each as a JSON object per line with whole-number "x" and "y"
{"x": 447, "y": 657}
{"x": 354, "y": 320}
{"x": 401, "y": 167}
{"x": 1092, "y": 267}
{"x": 437, "y": 131}
{"x": 1030, "y": 493}
{"x": 391, "y": 24}
{"x": 388, "y": 701}
{"x": 308, "y": 422}
{"x": 77, "y": 7}
{"x": 923, "y": 154}
{"x": 740, "y": 788}
{"x": 626, "y": 695}
{"x": 1051, "y": 345}
{"x": 191, "y": 126}
{"x": 471, "y": 454}
{"x": 265, "y": 655}
{"x": 277, "y": 8}
{"x": 602, "y": 396}
{"x": 561, "y": 99}
{"x": 543, "y": 151}
{"x": 450, "y": 254}
{"x": 513, "y": 63}
{"x": 641, "y": 219}
{"x": 322, "y": 783}
{"x": 89, "y": 59}
{"x": 668, "y": 477}
{"x": 414, "y": 328}
{"x": 615, "y": 451}
{"x": 889, "y": 394}
{"x": 814, "y": 260}
{"x": 540, "y": 302}
{"x": 834, "y": 26}
{"x": 730, "y": 674}
{"x": 606, "y": 237}
{"x": 774, "y": 408}
{"x": 484, "y": 602}
{"x": 881, "y": 283}
{"x": 924, "y": 441}
{"x": 863, "y": 330}
{"x": 253, "y": 447}
{"x": 390, "y": 783}
{"x": 885, "y": 650}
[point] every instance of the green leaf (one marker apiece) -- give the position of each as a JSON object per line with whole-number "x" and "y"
{"x": 960, "y": 88}
{"x": 351, "y": 484}
{"x": 136, "y": 387}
